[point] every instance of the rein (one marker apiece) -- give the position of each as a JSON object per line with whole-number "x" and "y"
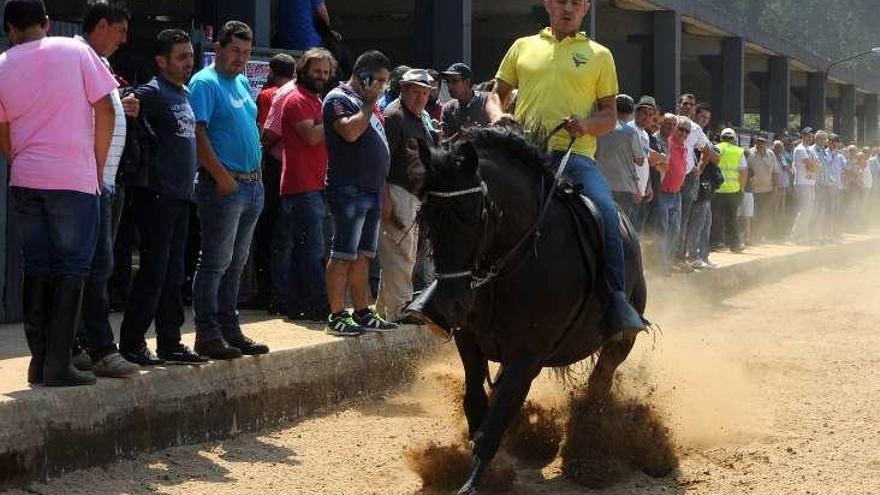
{"x": 498, "y": 267}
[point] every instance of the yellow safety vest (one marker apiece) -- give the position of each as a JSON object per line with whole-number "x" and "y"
{"x": 731, "y": 155}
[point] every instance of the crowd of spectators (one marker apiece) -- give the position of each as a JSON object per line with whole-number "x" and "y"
{"x": 312, "y": 179}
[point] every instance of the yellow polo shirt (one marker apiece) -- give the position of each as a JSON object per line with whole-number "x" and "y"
{"x": 558, "y": 79}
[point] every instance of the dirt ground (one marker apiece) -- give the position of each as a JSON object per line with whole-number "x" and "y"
{"x": 775, "y": 390}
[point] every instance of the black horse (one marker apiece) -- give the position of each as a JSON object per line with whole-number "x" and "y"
{"x": 519, "y": 276}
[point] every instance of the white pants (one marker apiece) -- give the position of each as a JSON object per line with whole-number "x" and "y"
{"x": 397, "y": 254}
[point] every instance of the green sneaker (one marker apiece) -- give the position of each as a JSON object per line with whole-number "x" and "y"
{"x": 372, "y": 322}
{"x": 343, "y": 325}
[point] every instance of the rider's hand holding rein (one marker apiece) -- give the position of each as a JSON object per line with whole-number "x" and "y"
{"x": 603, "y": 120}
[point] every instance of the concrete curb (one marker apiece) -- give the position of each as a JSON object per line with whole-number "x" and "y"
{"x": 45, "y": 432}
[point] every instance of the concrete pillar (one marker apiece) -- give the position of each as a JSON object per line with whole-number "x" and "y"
{"x": 443, "y": 32}
{"x": 779, "y": 92}
{"x": 861, "y": 126}
{"x": 713, "y": 65}
{"x": 667, "y": 58}
{"x": 814, "y": 109}
{"x": 872, "y": 138}
{"x": 732, "y": 82}
{"x": 848, "y": 112}
{"x": 762, "y": 81}
{"x": 255, "y": 13}
{"x": 589, "y": 26}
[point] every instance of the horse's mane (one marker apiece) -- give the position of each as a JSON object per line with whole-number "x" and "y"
{"x": 517, "y": 145}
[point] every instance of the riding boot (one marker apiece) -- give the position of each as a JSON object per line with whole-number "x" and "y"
{"x": 58, "y": 370}
{"x": 36, "y": 299}
{"x": 423, "y": 309}
{"x": 623, "y": 319}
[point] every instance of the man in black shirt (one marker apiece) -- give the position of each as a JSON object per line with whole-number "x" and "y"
{"x": 398, "y": 242}
{"x": 467, "y": 108}
{"x": 161, "y": 209}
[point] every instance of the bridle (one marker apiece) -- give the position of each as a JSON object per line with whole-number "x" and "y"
{"x": 500, "y": 267}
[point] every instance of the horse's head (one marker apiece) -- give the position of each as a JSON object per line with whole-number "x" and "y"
{"x": 453, "y": 214}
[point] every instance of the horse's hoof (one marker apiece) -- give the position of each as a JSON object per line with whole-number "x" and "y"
{"x": 467, "y": 490}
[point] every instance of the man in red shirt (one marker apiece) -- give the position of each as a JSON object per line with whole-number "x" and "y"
{"x": 298, "y": 244}
{"x": 669, "y": 197}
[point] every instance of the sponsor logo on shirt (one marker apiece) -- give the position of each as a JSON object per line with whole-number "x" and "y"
{"x": 237, "y": 102}
{"x": 579, "y": 59}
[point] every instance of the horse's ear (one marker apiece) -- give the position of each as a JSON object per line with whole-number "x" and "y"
{"x": 468, "y": 158}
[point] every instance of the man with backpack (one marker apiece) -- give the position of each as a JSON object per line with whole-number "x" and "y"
{"x": 160, "y": 204}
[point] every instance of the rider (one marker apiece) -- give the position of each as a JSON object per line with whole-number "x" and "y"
{"x": 562, "y": 75}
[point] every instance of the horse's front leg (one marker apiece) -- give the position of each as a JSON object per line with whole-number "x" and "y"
{"x": 602, "y": 377}
{"x": 475, "y": 374}
{"x": 507, "y": 400}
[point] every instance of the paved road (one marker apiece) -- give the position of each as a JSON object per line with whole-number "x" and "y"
{"x": 771, "y": 391}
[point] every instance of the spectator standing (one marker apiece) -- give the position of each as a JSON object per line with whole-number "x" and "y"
{"x": 56, "y": 136}
{"x": 298, "y": 244}
{"x": 358, "y": 165}
{"x": 562, "y": 76}
{"x": 805, "y": 168}
{"x": 618, "y": 154}
{"x": 697, "y": 143}
{"x": 398, "y": 241}
{"x": 392, "y": 92}
{"x": 764, "y": 171}
{"x": 228, "y": 192}
{"x": 296, "y": 27}
{"x": 727, "y": 199}
{"x": 645, "y": 114}
{"x": 825, "y": 188}
{"x": 784, "y": 196}
{"x": 105, "y": 28}
{"x": 269, "y": 107}
{"x": 700, "y": 228}
{"x": 467, "y": 108}
{"x": 669, "y": 195}
{"x": 161, "y": 209}
{"x": 838, "y": 165}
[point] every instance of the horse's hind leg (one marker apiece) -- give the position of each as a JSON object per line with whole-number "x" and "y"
{"x": 602, "y": 377}
{"x": 507, "y": 400}
{"x": 475, "y": 374}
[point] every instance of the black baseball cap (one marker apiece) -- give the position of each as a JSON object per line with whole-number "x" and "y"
{"x": 459, "y": 69}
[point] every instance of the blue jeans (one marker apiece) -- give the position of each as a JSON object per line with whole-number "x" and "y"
{"x": 689, "y": 191}
{"x": 298, "y": 253}
{"x": 59, "y": 230}
{"x": 583, "y": 170}
{"x": 669, "y": 219}
{"x": 95, "y": 332}
{"x": 163, "y": 227}
{"x": 699, "y": 230}
{"x": 357, "y": 215}
{"x": 227, "y": 224}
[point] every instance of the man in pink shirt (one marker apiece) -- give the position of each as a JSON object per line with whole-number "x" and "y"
{"x": 56, "y": 136}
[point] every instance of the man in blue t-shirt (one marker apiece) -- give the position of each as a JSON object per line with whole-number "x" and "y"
{"x": 358, "y": 165}
{"x": 229, "y": 192}
{"x": 296, "y": 26}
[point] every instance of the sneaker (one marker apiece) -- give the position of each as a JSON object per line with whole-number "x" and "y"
{"x": 82, "y": 361}
{"x": 182, "y": 354}
{"x": 343, "y": 325}
{"x": 249, "y": 347}
{"x": 113, "y": 365}
{"x": 217, "y": 349}
{"x": 142, "y": 357}
{"x": 372, "y": 322}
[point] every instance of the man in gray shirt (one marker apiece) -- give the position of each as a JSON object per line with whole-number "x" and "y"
{"x": 618, "y": 153}
{"x": 467, "y": 108}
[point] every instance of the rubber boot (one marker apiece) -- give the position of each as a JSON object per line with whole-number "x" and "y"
{"x": 422, "y": 308}
{"x": 623, "y": 320}
{"x": 58, "y": 370}
{"x": 36, "y": 299}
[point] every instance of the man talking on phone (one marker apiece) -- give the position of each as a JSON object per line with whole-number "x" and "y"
{"x": 358, "y": 164}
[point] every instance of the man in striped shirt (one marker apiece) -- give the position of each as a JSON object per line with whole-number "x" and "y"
{"x": 105, "y": 28}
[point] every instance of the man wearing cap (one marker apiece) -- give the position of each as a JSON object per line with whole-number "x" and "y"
{"x": 562, "y": 76}
{"x": 806, "y": 164}
{"x": 646, "y": 113}
{"x": 619, "y": 154}
{"x": 765, "y": 177}
{"x": 467, "y": 108}
{"x": 727, "y": 199}
{"x": 398, "y": 241}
